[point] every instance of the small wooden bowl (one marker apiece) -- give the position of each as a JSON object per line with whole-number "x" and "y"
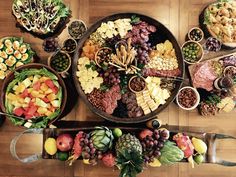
{"x": 50, "y": 59}
{"x": 80, "y": 21}
{"x": 200, "y": 53}
{"x": 65, "y": 42}
{"x": 129, "y": 85}
{"x": 197, "y": 101}
{"x": 11, "y": 76}
{"x": 195, "y": 28}
{"x": 96, "y": 54}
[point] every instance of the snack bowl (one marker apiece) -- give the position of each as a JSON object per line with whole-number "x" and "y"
{"x": 192, "y": 52}
{"x": 195, "y": 34}
{"x": 188, "y": 98}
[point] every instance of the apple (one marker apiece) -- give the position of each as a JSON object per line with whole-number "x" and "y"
{"x": 146, "y": 132}
{"x": 65, "y": 142}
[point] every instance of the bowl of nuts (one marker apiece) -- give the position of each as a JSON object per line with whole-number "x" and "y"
{"x": 188, "y": 98}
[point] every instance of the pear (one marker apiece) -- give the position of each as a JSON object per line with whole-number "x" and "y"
{"x": 199, "y": 145}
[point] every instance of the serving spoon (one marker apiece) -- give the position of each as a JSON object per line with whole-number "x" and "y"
{"x": 32, "y": 119}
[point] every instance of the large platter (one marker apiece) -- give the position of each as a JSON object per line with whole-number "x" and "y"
{"x": 210, "y": 28}
{"x": 159, "y": 36}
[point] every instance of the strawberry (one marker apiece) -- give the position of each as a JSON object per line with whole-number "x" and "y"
{"x": 146, "y": 132}
{"x": 108, "y": 159}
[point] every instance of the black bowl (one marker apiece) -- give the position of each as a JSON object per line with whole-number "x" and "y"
{"x": 161, "y": 35}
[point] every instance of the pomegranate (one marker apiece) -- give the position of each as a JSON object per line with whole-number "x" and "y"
{"x": 65, "y": 142}
{"x": 109, "y": 159}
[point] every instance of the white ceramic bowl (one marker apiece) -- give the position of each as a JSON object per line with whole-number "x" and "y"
{"x": 197, "y": 102}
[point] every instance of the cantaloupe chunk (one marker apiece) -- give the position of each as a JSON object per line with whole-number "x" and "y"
{"x": 44, "y": 87}
{"x": 51, "y": 97}
{"x": 35, "y": 93}
{"x": 48, "y": 113}
{"x": 48, "y": 91}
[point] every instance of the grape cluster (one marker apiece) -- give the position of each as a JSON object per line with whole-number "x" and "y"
{"x": 110, "y": 76}
{"x": 140, "y": 37}
{"x": 88, "y": 149}
{"x": 143, "y": 52}
{"x": 152, "y": 145}
{"x": 50, "y": 44}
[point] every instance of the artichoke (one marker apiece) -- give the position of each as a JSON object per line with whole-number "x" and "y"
{"x": 170, "y": 153}
{"x": 102, "y": 138}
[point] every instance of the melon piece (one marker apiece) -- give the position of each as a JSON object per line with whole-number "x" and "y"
{"x": 55, "y": 103}
{"x": 26, "y": 82}
{"x": 21, "y": 87}
{"x": 40, "y": 103}
{"x": 18, "y": 111}
{"x": 51, "y": 97}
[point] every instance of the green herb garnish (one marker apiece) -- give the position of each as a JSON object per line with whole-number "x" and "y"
{"x": 134, "y": 19}
{"x": 92, "y": 65}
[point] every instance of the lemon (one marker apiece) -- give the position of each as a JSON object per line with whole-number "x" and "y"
{"x": 156, "y": 163}
{"x": 50, "y": 146}
{"x": 86, "y": 161}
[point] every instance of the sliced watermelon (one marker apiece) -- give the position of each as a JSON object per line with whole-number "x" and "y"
{"x": 49, "y": 83}
{"x": 18, "y": 111}
{"x": 32, "y": 110}
{"x": 36, "y": 86}
{"x": 55, "y": 90}
{"x": 45, "y": 100}
{"x": 24, "y": 94}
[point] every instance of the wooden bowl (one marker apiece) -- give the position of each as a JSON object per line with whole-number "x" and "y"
{"x": 209, "y": 33}
{"x": 200, "y": 53}
{"x": 161, "y": 35}
{"x": 11, "y": 76}
{"x": 195, "y": 28}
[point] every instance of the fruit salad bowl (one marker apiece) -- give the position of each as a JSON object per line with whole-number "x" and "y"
{"x": 120, "y": 47}
{"x": 34, "y": 92}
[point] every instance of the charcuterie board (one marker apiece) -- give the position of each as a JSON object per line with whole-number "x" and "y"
{"x": 204, "y": 75}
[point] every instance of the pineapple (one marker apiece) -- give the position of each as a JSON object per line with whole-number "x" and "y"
{"x": 129, "y": 155}
{"x": 102, "y": 138}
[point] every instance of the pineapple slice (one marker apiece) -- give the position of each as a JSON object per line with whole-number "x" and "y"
{"x": 20, "y": 88}
{"x": 11, "y": 97}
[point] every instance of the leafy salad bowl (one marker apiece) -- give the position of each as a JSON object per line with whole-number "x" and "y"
{"x": 34, "y": 92}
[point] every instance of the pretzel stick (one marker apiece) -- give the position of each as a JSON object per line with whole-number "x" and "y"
{"x": 115, "y": 65}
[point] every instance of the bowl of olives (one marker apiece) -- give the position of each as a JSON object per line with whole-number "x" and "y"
{"x": 195, "y": 34}
{"x": 192, "y": 52}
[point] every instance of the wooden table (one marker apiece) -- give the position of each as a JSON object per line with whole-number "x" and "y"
{"x": 179, "y": 16}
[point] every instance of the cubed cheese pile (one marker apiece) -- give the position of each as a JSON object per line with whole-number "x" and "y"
{"x": 88, "y": 78}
